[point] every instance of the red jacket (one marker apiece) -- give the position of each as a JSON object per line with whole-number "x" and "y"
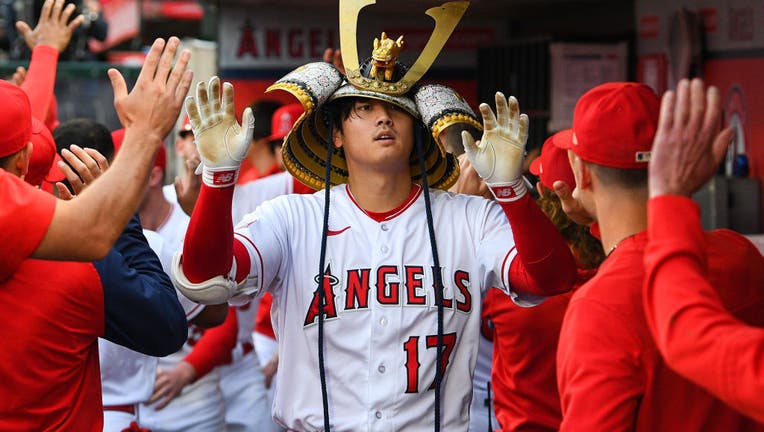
{"x": 698, "y": 337}
{"x": 524, "y": 366}
{"x": 610, "y": 373}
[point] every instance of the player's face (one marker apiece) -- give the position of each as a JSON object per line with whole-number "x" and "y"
{"x": 185, "y": 146}
{"x": 377, "y": 135}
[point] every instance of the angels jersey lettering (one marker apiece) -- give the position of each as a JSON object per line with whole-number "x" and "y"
{"x": 381, "y": 318}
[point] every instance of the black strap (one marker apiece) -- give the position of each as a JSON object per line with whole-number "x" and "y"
{"x": 418, "y": 137}
{"x": 321, "y": 277}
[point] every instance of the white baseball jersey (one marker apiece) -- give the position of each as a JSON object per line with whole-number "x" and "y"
{"x": 266, "y": 347}
{"x": 199, "y": 407}
{"x": 478, "y": 409}
{"x": 248, "y": 406}
{"x": 247, "y": 197}
{"x": 381, "y": 319}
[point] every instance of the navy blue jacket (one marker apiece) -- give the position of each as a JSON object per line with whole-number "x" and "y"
{"x": 141, "y": 306}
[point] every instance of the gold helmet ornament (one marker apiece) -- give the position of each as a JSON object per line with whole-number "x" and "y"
{"x": 383, "y": 78}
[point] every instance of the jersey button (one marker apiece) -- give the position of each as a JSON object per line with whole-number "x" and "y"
{"x": 385, "y": 227}
{"x": 383, "y": 321}
{"x": 378, "y": 414}
{"x": 381, "y": 369}
{"x": 383, "y": 249}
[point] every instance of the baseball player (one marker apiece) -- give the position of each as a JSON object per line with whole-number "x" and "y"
{"x": 693, "y": 330}
{"x": 525, "y": 340}
{"x": 610, "y": 373}
{"x": 374, "y": 291}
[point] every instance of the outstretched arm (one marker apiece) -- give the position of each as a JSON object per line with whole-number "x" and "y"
{"x": 50, "y": 37}
{"x": 86, "y": 228}
{"x": 544, "y": 263}
{"x": 203, "y": 274}
{"x": 696, "y": 335}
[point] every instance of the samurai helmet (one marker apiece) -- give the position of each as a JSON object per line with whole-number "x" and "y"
{"x": 381, "y": 77}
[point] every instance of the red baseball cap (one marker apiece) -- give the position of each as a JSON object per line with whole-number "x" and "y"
{"x": 118, "y": 136}
{"x": 553, "y": 163}
{"x": 185, "y": 126}
{"x": 43, "y": 162}
{"x": 614, "y": 125}
{"x": 283, "y": 119}
{"x": 16, "y": 120}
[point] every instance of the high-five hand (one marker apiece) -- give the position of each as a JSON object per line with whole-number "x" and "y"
{"x": 221, "y": 141}
{"x": 688, "y": 145}
{"x": 498, "y": 156}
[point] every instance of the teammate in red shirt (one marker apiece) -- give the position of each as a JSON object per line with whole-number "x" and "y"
{"x": 54, "y": 381}
{"x": 525, "y": 339}
{"x": 610, "y": 373}
{"x": 696, "y": 334}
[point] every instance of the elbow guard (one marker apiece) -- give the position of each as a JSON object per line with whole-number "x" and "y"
{"x": 218, "y": 290}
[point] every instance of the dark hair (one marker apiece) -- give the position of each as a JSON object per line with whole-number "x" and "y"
{"x": 342, "y": 108}
{"x": 5, "y": 160}
{"x": 587, "y": 249}
{"x": 262, "y": 111}
{"x": 339, "y": 110}
{"x": 625, "y": 178}
{"x": 85, "y": 133}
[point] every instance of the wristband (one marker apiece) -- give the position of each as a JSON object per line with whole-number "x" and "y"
{"x": 510, "y": 191}
{"x": 220, "y": 177}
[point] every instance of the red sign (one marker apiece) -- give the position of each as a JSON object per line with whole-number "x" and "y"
{"x": 649, "y": 26}
{"x": 710, "y": 19}
{"x": 283, "y": 43}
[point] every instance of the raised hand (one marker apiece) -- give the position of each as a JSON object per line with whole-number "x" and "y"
{"x": 221, "y": 141}
{"x": 469, "y": 181}
{"x": 334, "y": 56}
{"x": 688, "y": 146}
{"x": 572, "y": 207}
{"x": 188, "y": 186}
{"x": 153, "y": 106}
{"x": 85, "y": 165}
{"x": 19, "y": 76}
{"x": 54, "y": 28}
{"x": 498, "y": 156}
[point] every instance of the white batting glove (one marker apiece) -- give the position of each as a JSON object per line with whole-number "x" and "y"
{"x": 498, "y": 156}
{"x": 221, "y": 141}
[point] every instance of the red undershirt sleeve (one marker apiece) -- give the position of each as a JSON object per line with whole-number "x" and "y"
{"x": 215, "y": 346}
{"x": 208, "y": 246}
{"x": 544, "y": 264}
{"x": 41, "y": 80}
